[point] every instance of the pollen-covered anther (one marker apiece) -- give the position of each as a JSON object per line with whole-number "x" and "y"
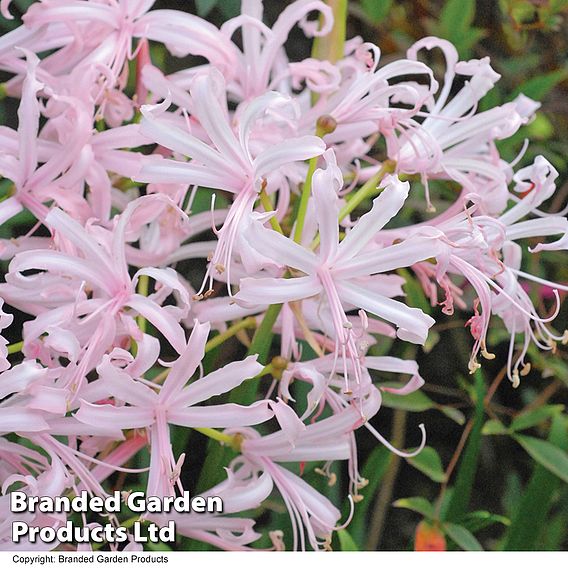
{"x": 277, "y": 539}
{"x": 525, "y": 370}
{"x": 362, "y": 483}
{"x": 197, "y": 297}
{"x": 332, "y": 479}
{"x": 487, "y": 355}
{"x": 209, "y": 293}
{"x": 219, "y": 268}
{"x": 516, "y": 379}
{"x": 347, "y": 325}
{"x": 473, "y": 366}
{"x": 357, "y": 498}
{"x": 565, "y": 337}
{"x": 210, "y": 257}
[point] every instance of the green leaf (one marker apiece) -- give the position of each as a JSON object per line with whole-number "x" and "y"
{"x": 536, "y": 499}
{"x": 346, "y": 543}
{"x": 546, "y": 454}
{"x": 540, "y": 128}
{"x": 538, "y": 87}
{"x": 535, "y": 417}
{"x": 374, "y": 470}
{"x": 457, "y": 16}
{"x": 230, "y": 8}
{"x": 428, "y": 462}
{"x": 376, "y": 10}
{"x": 494, "y": 427}
{"x": 468, "y": 466}
{"x": 205, "y": 6}
{"x": 478, "y": 520}
{"x": 462, "y": 537}
{"x": 413, "y": 402}
{"x": 453, "y": 414}
{"x": 417, "y": 504}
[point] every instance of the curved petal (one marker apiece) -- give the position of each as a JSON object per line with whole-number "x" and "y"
{"x": 412, "y": 323}
{"x": 385, "y": 207}
{"x": 262, "y": 291}
{"x": 123, "y": 417}
{"x": 279, "y": 248}
{"x": 187, "y": 362}
{"x": 221, "y": 415}
{"x": 220, "y": 381}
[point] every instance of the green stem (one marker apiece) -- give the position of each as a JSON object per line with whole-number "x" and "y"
{"x": 384, "y": 497}
{"x": 142, "y": 289}
{"x": 263, "y": 336}
{"x": 15, "y": 347}
{"x": 220, "y": 437}
{"x": 247, "y": 323}
{"x": 331, "y": 46}
{"x": 267, "y": 204}
{"x": 304, "y": 200}
{"x": 369, "y": 189}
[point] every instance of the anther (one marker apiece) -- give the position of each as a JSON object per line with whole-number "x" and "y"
{"x": 516, "y": 380}
{"x": 526, "y": 369}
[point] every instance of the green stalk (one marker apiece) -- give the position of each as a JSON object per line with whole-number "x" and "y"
{"x": 267, "y": 204}
{"x": 142, "y": 289}
{"x": 331, "y": 46}
{"x": 325, "y": 125}
{"x": 247, "y": 323}
{"x": 369, "y": 189}
{"x": 536, "y": 500}
{"x": 465, "y": 478}
{"x": 15, "y": 347}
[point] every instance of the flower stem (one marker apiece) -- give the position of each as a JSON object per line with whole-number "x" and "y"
{"x": 216, "y": 435}
{"x": 304, "y": 200}
{"x": 247, "y": 323}
{"x": 325, "y": 125}
{"x": 142, "y": 289}
{"x": 331, "y": 46}
{"x": 267, "y": 204}
{"x": 15, "y": 347}
{"x": 367, "y": 190}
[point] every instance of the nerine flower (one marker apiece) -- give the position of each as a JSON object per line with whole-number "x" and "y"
{"x": 139, "y": 404}
{"x": 227, "y": 161}
{"x": 340, "y": 270}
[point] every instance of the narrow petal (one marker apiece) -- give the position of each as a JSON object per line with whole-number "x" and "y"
{"x": 221, "y": 415}
{"x": 262, "y": 291}
{"x": 220, "y": 381}
{"x": 123, "y": 417}
{"x": 385, "y": 207}
{"x": 412, "y": 323}
{"x": 187, "y": 363}
{"x": 279, "y": 248}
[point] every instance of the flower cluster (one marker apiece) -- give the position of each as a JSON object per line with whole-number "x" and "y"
{"x": 125, "y": 281}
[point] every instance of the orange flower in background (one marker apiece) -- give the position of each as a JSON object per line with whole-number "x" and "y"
{"x": 429, "y": 538}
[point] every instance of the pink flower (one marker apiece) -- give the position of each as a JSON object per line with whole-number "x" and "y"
{"x": 154, "y": 407}
{"x": 339, "y": 271}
